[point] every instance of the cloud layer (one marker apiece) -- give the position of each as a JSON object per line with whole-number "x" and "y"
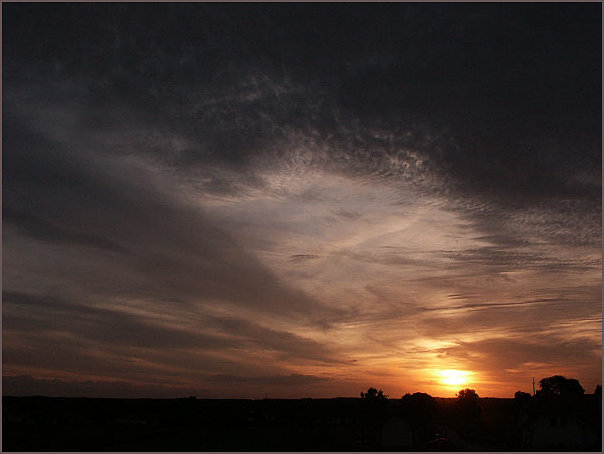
{"x": 300, "y": 199}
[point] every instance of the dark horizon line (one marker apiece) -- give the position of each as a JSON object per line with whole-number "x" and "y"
{"x": 246, "y": 398}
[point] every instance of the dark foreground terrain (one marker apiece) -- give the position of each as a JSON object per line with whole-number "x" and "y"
{"x": 417, "y": 423}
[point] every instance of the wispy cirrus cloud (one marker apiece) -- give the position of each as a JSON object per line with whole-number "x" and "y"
{"x": 221, "y": 194}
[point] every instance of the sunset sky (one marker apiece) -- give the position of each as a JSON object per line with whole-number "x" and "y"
{"x": 300, "y": 200}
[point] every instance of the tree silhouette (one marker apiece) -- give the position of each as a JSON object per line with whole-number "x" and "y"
{"x": 422, "y": 406}
{"x": 420, "y": 410}
{"x": 522, "y": 397}
{"x": 598, "y": 391}
{"x": 419, "y": 399}
{"x": 374, "y": 394}
{"x": 467, "y": 395}
{"x": 557, "y": 385}
{"x": 467, "y": 404}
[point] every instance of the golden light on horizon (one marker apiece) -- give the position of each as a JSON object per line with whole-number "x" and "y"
{"x": 454, "y": 377}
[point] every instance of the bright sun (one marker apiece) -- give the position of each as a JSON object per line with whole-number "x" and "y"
{"x": 454, "y": 377}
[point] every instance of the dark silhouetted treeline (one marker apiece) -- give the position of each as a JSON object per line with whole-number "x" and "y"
{"x": 558, "y": 417}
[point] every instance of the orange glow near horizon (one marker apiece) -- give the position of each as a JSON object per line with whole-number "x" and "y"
{"x": 454, "y": 377}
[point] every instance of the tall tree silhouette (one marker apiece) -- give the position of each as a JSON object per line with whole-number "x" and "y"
{"x": 557, "y": 385}
{"x": 374, "y": 394}
{"x": 467, "y": 404}
{"x": 467, "y": 395}
{"x": 521, "y": 397}
{"x": 420, "y": 410}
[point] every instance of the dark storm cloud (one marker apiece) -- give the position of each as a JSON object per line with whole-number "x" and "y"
{"x": 502, "y": 99}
